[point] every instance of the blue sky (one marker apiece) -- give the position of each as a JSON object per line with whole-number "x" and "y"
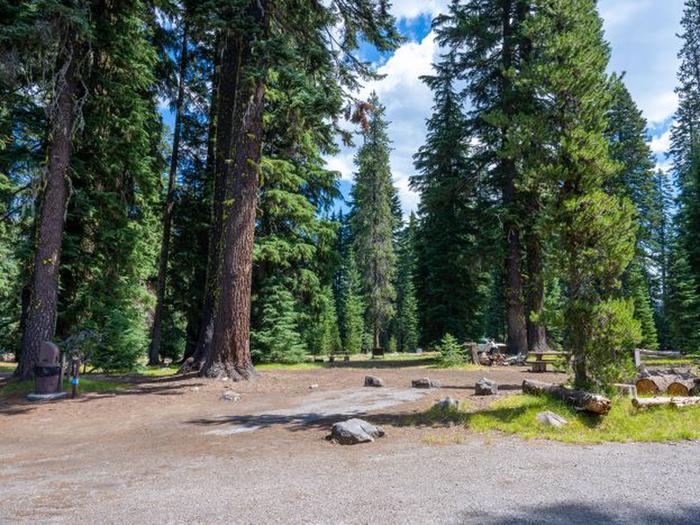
{"x": 642, "y": 35}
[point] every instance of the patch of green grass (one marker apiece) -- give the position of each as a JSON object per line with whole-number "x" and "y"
{"x": 157, "y": 371}
{"x": 290, "y": 366}
{"x": 671, "y": 362}
{"x": 7, "y": 367}
{"x": 516, "y": 415}
{"x": 87, "y": 384}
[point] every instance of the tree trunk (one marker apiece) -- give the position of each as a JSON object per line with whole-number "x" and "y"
{"x": 157, "y": 331}
{"x": 536, "y": 332}
{"x": 580, "y": 399}
{"x": 223, "y": 104}
{"x": 229, "y": 353}
{"x": 515, "y": 307}
{"x": 40, "y": 322}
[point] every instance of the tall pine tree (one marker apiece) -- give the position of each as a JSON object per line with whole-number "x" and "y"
{"x": 372, "y": 222}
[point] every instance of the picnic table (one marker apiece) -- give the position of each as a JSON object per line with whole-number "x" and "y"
{"x": 344, "y": 355}
{"x": 544, "y": 358}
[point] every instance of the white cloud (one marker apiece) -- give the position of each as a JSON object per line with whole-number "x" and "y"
{"x": 661, "y": 143}
{"x": 408, "y": 103}
{"x": 408, "y": 9}
{"x": 658, "y": 107}
{"x": 642, "y": 35}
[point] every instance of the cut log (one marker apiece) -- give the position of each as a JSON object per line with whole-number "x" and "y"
{"x": 680, "y": 387}
{"x": 654, "y": 384}
{"x": 580, "y": 399}
{"x": 659, "y": 401}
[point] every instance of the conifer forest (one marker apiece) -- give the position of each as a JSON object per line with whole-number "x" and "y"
{"x": 166, "y": 191}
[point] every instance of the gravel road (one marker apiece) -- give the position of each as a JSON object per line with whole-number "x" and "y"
{"x": 152, "y": 458}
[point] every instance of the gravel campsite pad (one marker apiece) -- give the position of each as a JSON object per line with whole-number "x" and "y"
{"x": 170, "y": 450}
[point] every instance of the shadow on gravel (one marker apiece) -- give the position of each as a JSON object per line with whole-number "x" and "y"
{"x": 585, "y": 514}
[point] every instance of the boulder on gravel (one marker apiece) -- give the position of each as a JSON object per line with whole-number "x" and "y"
{"x": 551, "y": 419}
{"x": 447, "y": 404}
{"x": 354, "y": 431}
{"x": 425, "y": 383}
{"x": 373, "y": 381}
{"x": 486, "y": 387}
{"x": 230, "y": 395}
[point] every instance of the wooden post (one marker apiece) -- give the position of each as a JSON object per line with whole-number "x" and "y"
{"x": 637, "y": 358}
{"x": 61, "y": 373}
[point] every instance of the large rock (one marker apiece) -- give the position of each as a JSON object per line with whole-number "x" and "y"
{"x": 551, "y": 419}
{"x": 230, "y": 395}
{"x": 486, "y": 387}
{"x": 447, "y": 404}
{"x": 373, "y": 381}
{"x": 425, "y": 382}
{"x": 354, "y": 431}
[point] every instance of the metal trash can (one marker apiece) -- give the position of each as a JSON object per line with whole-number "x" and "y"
{"x": 48, "y": 370}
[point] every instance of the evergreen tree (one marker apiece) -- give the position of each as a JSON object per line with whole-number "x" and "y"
{"x": 259, "y": 37}
{"x": 373, "y": 222}
{"x": 635, "y": 180}
{"x": 684, "y": 300}
{"x": 636, "y": 287}
{"x": 406, "y": 304}
{"x": 662, "y": 236}
{"x": 596, "y": 229}
{"x": 277, "y": 339}
{"x": 111, "y": 237}
{"x": 491, "y": 51}
{"x": 683, "y": 306}
{"x": 71, "y": 33}
{"x": 454, "y": 232}
{"x": 353, "y": 308}
{"x": 183, "y": 25}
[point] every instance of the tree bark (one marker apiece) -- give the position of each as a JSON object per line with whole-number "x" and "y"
{"x": 223, "y": 104}
{"x": 515, "y": 306}
{"x": 40, "y": 322}
{"x": 580, "y": 399}
{"x": 157, "y": 330}
{"x": 536, "y": 332}
{"x": 229, "y": 353}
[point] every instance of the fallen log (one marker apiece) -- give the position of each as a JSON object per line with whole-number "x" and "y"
{"x": 654, "y": 384}
{"x": 659, "y": 401}
{"x": 680, "y": 387}
{"x": 580, "y": 399}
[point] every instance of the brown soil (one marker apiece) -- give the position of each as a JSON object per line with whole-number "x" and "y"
{"x": 56, "y": 456}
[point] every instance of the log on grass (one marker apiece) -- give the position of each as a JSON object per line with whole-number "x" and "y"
{"x": 654, "y": 384}
{"x": 580, "y": 399}
{"x": 659, "y": 401}
{"x": 680, "y": 387}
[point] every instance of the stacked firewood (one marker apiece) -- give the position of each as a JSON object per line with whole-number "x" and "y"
{"x": 682, "y": 387}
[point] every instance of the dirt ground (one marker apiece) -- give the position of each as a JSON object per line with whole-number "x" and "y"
{"x": 169, "y": 450}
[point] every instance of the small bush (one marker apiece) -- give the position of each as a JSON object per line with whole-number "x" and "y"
{"x": 451, "y": 352}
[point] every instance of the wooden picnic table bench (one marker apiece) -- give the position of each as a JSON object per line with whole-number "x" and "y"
{"x": 377, "y": 352}
{"x": 539, "y": 365}
{"x": 344, "y": 355}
